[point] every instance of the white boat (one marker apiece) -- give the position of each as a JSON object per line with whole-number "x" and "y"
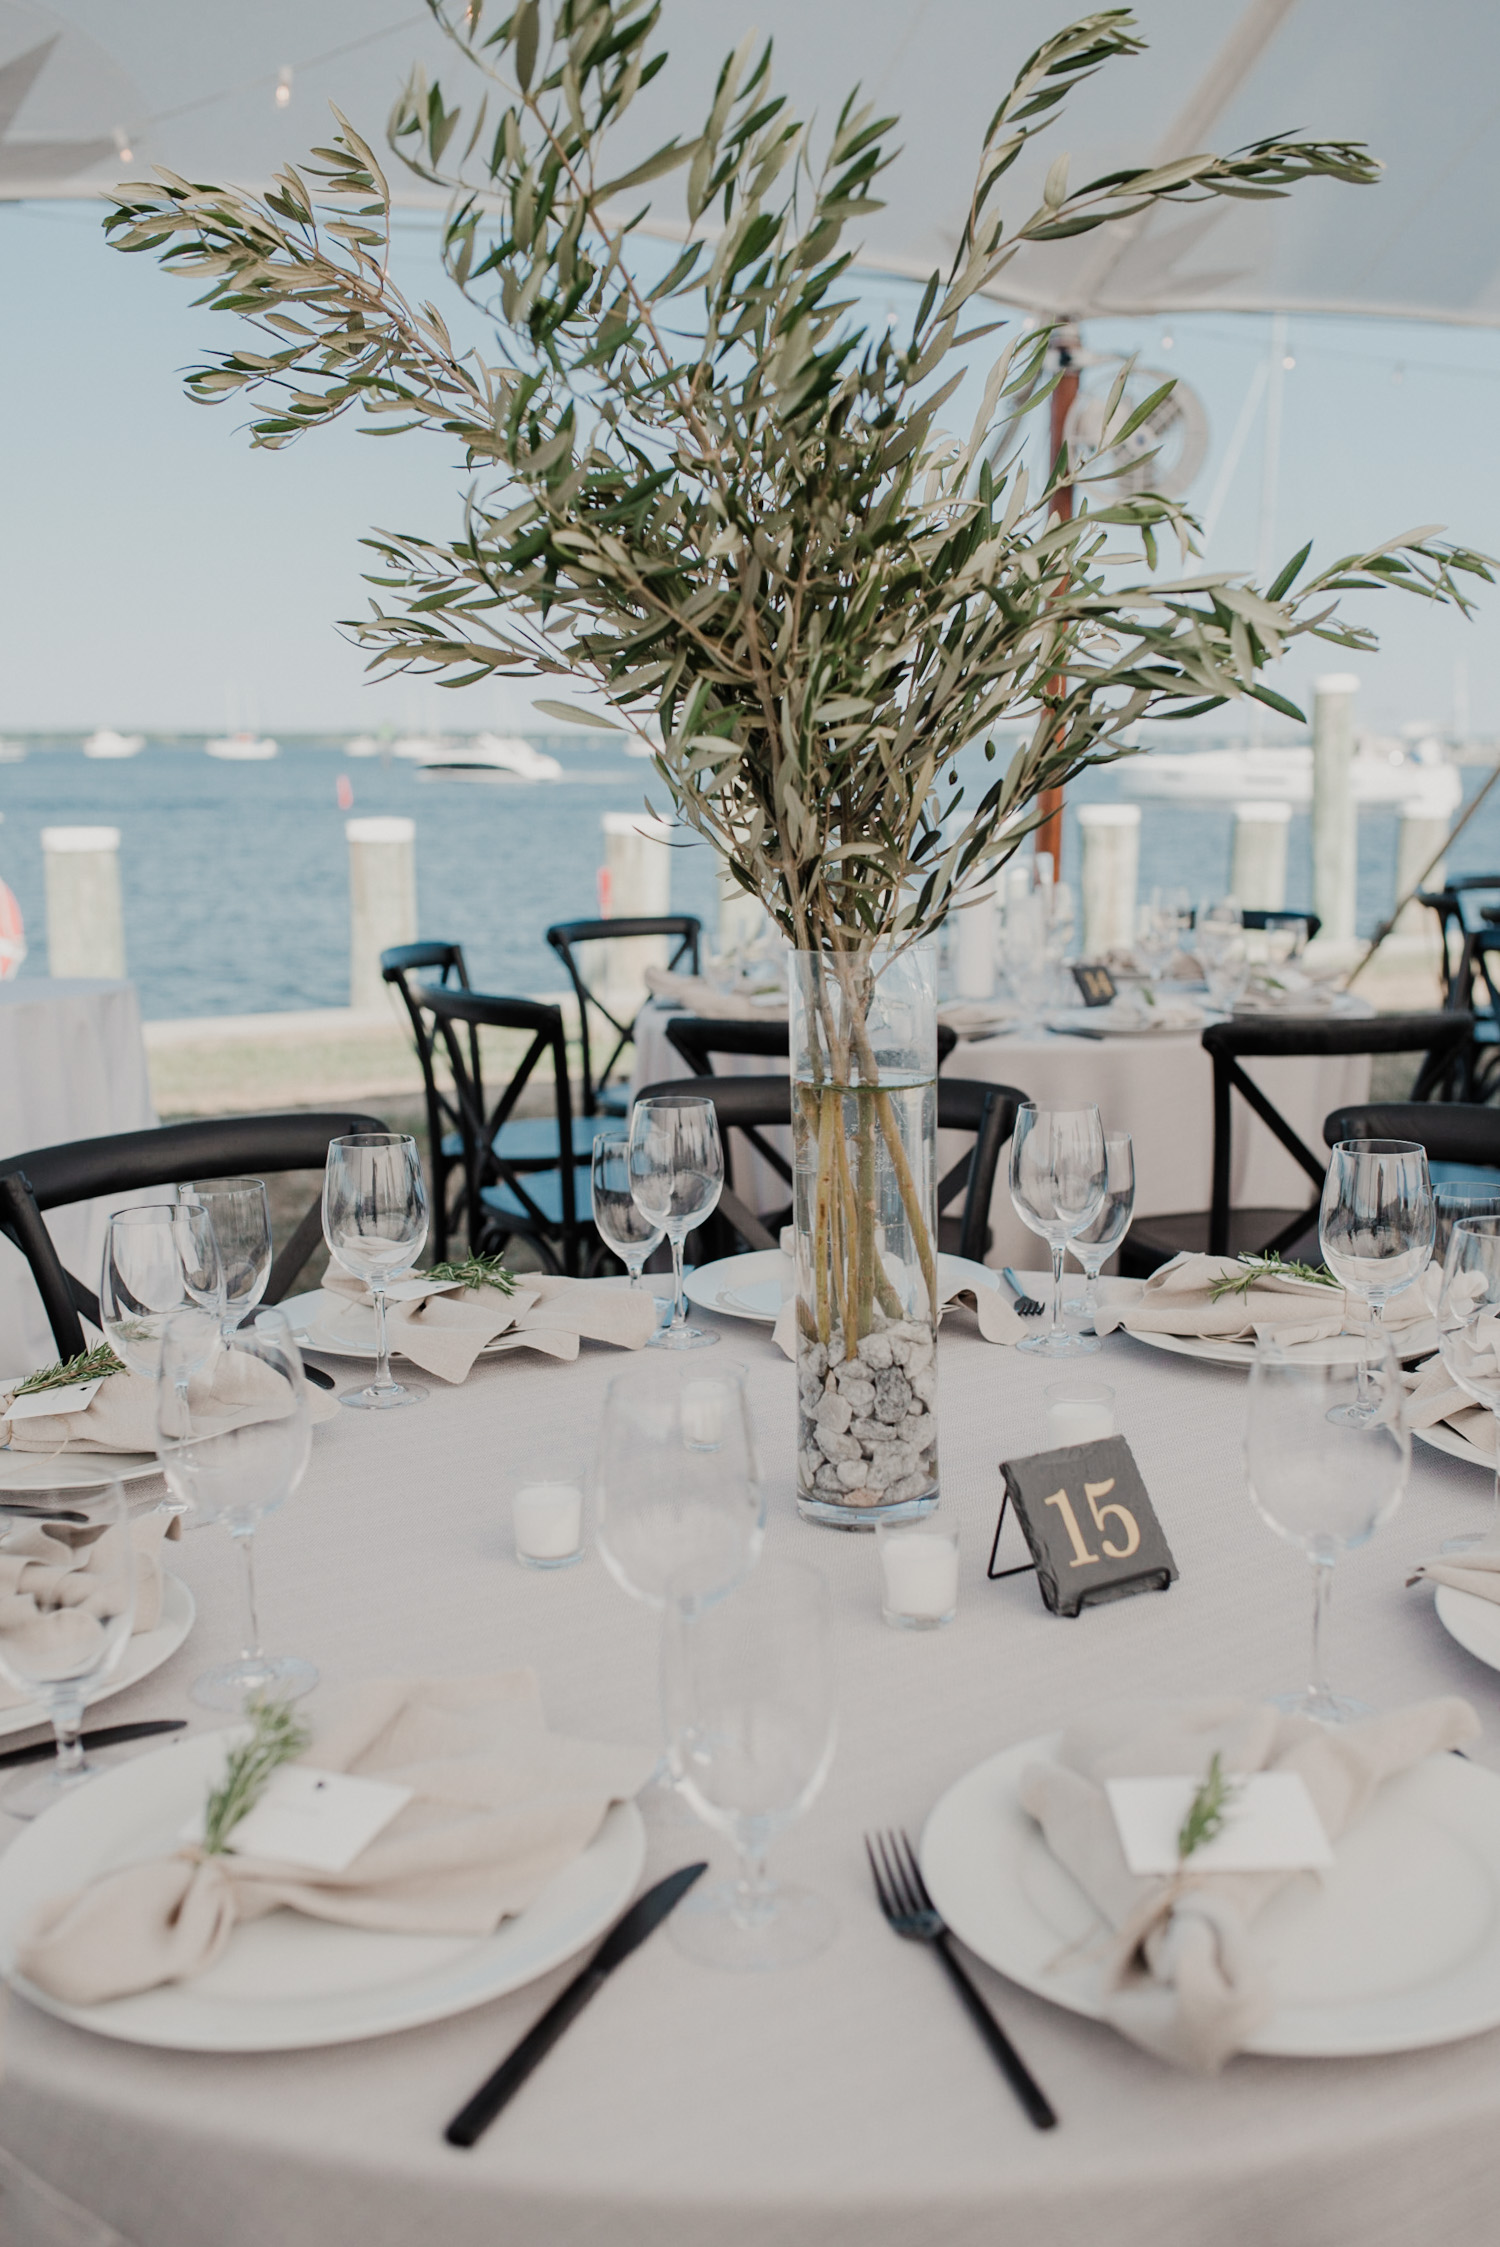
{"x": 12, "y": 752}
{"x": 242, "y": 748}
{"x": 362, "y": 745}
{"x": 492, "y": 756}
{"x": 106, "y": 743}
{"x": 418, "y": 748}
{"x": 1382, "y": 772}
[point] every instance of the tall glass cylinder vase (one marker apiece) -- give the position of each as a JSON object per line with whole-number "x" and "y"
{"x": 864, "y": 1112}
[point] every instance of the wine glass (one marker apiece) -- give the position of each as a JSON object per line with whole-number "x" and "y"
{"x": 240, "y": 1211}
{"x": 1322, "y": 1475}
{"x": 1376, "y": 1223}
{"x": 1057, "y": 1183}
{"x": 1450, "y": 1202}
{"x": 676, "y": 1176}
{"x": 1468, "y": 1322}
{"x": 375, "y": 1223}
{"x": 56, "y": 1646}
{"x": 236, "y": 1470}
{"x": 1219, "y": 941}
{"x": 159, "y": 1260}
{"x": 1099, "y": 1239}
{"x": 632, "y": 1236}
{"x": 749, "y": 1702}
{"x": 678, "y": 1495}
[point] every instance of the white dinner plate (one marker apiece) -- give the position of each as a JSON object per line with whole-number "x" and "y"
{"x": 337, "y": 1327}
{"x": 144, "y": 1653}
{"x": 755, "y": 1286}
{"x": 1473, "y": 1621}
{"x": 287, "y": 1982}
{"x": 72, "y": 1470}
{"x": 1455, "y": 1444}
{"x": 1395, "y": 1948}
{"x": 1211, "y": 1352}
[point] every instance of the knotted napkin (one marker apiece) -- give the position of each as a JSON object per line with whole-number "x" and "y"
{"x": 1178, "y": 1298}
{"x": 1183, "y": 1978}
{"x": 442, "y": 1326}
{"x": 998, "y": 1320}
{"x": 696, "y": 995}
{"x": 500, "y": 1805}
{"x": 235, "y": 1389}
{"x": 1434, "y": 1395}
{"x": 57, "y": 1588}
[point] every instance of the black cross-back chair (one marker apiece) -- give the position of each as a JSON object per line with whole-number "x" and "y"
{"x": 753, "y": 1105}
{"x": 698, "y": 1037}
{"x": 1284, "y": 916}
{"x": 1462, "y": 1138}
{"x": 600, "y": 1098}
{"x": 505, "y": 1198}
{"x": 526, "y": 1142}
{"x": 1224, "y": 1231}
{"x": 127, "y": 1162}
{"x": 1469, "y": 939}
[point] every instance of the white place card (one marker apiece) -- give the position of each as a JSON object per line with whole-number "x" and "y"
{"x": 1270, "y": 1825}
{"x": 319, "y": 1819}
{"x": 412, "y": 1290}
{"x": 38, "y": 1404}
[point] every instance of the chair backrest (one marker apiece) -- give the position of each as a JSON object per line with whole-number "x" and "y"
{"x": 1255, "y": 916}
{"x": 567, "y": 937}
{"x": 1441, "y": 1036}
{"x": 136, "y": 1161}
{"x": 458, "y": 1017}
{"x": 698, "y": 1037}
{"x": 1452, "y": 1131}
{"x": 437, "y": 961}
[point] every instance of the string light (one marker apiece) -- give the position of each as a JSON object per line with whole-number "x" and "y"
{"x": 1168, "y": 340}
{"x": 284, "y": 85}
{"x": 1289, "y": 362}
{"x": 122, "y": 144}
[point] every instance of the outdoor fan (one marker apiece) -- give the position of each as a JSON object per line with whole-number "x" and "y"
{"x": 1163, "y": 455}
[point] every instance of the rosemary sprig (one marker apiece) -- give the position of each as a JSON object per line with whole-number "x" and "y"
{"x": 1267, "y": 1267}
{"x": 90, "y": 1365}
{"x": 276, "y": 1735}
{"x": 1207, "y": 1811}
{"x": 477, "y": 1271}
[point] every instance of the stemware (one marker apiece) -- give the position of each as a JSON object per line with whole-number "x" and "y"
{"x": 1057, "y": 1183}
{"x": 1219, "y": 941}
{"x": 55, "y": 1647}
{"x": 620, "y": 1221}
{"x": 678, "y": 1494}
{"x": 240, "y": 1211}
{"x": 1376, "y": 1223}
{"x": 375, "y": 1223}
{"x": 750, "y": 1706}
{"x": 237, "y": 1470}
{"x": 676, "y": 1177}
{"x": 1450, "y": 1202}
{"x": 1103, "y": 1234}
{"x": 159, "y": 1260}
{"x": 1468, "y": 1322}
{"x": 1322, "y": 1476}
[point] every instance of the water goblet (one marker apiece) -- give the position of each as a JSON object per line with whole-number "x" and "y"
{"x": 1468, "y": 1322}
{"x": 1057, "y": 1183}
{"x": 676, "y": 1177}
{"x": 375, "y": 1223}
{"x": 240, "y": 1211}
{"x": 750, "y": 1706}
{"x": 617, "y": 1215}
{"x": 1099, "y": 1239}
{"x": 56, "y": 1647}
{"x": 1322, "y": 1475}
{"x": 235, "y": 1469}
{"x": 1376, "y": 1223}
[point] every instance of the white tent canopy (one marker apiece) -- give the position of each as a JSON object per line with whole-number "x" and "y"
{"x": 217, "y": 91}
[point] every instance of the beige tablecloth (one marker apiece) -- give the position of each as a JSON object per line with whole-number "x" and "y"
{"x": 850, "y": 2103}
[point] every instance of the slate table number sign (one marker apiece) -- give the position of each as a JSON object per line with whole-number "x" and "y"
{"x": 1095, "y": 983}
{"x": 1092, "y": 1530}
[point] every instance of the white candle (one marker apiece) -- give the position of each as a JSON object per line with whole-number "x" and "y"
{"x": 919, "y": 1574}
{"x": 703, "y": 1414}
{"x": 548, "y": 1518}
{"x": 1079, "y": 1420}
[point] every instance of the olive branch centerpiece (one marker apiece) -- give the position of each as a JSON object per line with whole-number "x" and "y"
{"x": 725, "y": 505}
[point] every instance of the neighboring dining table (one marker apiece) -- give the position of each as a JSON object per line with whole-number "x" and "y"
{"x": 72, "y": 1066}
{"x": 1157, "y": 1086}
{"x": 848, "y": 2102}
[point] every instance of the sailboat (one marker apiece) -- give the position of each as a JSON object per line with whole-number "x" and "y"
{"x": 106, "y": 743}
{"x": 242, "y": 748}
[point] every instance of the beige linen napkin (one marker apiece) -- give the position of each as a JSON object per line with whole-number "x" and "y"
{"x": 442, "y": 1326}
{"x": 1435, "y": 1396}
{"x": 1183, "y": 1979}
{"x": 1178, "y": 1299}
{"x": 998, "y": 1319}
{"x": 698, "y": 996}
{"x": 237, "y": 1389}
{"x": 500, "y": 1806}
{"x": 56, "y": 1589}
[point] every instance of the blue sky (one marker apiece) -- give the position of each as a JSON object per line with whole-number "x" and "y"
{"x": 157, "y": 573}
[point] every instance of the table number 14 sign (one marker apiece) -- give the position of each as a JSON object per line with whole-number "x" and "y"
{"x": 1091, "y": 1528}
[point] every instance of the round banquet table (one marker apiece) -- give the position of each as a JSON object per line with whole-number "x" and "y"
{"x": 847, "y": 2103}
{"x": 1159, "y": 1088}
{"x": 72, "y": 1066}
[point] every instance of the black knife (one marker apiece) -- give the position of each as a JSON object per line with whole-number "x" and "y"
{"x": 108, "y": 1736}
{"x": 627, "y": 1934}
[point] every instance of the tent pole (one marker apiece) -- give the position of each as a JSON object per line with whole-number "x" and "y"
{"x": 1049, "y": 835}
{"x": 1436, "y": 859}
